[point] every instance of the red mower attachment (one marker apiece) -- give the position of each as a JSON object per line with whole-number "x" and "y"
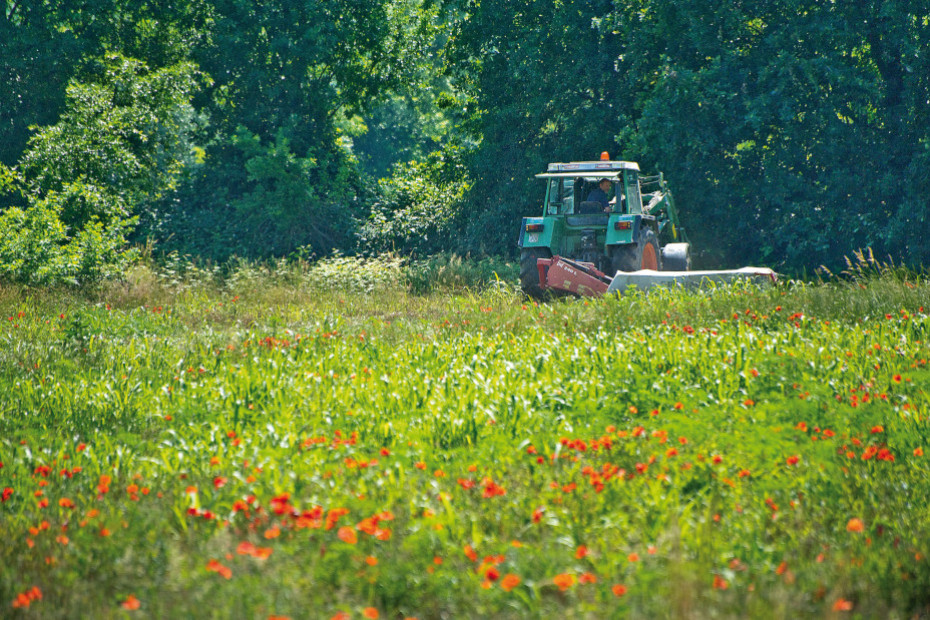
{"x": 563, "y": 274}
{"x": 583, "y": 279}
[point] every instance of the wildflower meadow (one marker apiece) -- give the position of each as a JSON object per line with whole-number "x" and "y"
{"x": 304, "y": 446}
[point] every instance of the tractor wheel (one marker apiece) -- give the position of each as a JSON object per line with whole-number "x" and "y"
{"x": 644, "y": 254}
{"x": 529, "y": 274}
{"x": 676, "y": 257}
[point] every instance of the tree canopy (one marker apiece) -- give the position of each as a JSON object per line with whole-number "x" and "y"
{"x": 792, "y": 132}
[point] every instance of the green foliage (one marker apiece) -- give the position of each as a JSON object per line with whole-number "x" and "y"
{"x": 37, "y": 248}
{"x": 279, "y": 173}
{"x": 799, "y": 134}
{"x": 419, "y": 207}
{"x": 413, "y": 118}
{"x": 259, "y": 200}
{"x": 44, "y": 46}
{"x": 121, "y": 143}
{"x": 284, "y": 200}
{"x": 126, "y": 133}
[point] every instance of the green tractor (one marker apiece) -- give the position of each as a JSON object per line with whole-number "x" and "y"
{"x": 605, "y": 214}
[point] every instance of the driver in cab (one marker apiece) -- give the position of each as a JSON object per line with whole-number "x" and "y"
{"x": 599, "y": 194}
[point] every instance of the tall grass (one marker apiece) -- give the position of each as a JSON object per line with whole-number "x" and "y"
{"x": 469, "y": 418}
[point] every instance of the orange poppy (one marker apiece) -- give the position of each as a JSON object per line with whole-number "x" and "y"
{"x": 509, "y": 582}
{"x": 564, "y": 581}
{"x": 347, "y": 535}
{"x": 131, "y": 603}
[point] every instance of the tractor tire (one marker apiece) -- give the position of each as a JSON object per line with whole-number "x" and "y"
{"x": 676, "y": 257}
{"x": 529, "y": 274}
{"x": 644, "y": 254}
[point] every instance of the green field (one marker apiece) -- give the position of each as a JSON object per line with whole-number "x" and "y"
{"x": 309, "y": 442}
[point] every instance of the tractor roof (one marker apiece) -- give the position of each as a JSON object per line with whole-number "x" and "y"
{"x": 606, "y": 169}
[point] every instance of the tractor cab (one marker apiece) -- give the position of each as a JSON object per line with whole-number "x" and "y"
{"x": 571, "y": 185}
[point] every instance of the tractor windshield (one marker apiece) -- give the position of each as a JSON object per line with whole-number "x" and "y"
{"x": 569, "y": 195}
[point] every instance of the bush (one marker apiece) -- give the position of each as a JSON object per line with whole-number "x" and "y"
{"x": 121, "y": 142}
{"x": 419, "y": 206}
{"x": 36, "y": 248}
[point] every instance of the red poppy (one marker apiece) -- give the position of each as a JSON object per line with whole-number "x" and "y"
{"x": 131, "y": 603}
{"x": 855, "y": 525}
{"x": 216, "y": 567}
{"x": 347, "y": 535}
{"x": 279, "y": 503}
{"x": 618, "y": 589}
{"x": 370, "y": 612}
{"x": 21, "y": 600}
{"x": 492, "y": 489}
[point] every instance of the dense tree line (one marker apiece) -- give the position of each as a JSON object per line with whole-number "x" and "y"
{"x": 792, "y": 131}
